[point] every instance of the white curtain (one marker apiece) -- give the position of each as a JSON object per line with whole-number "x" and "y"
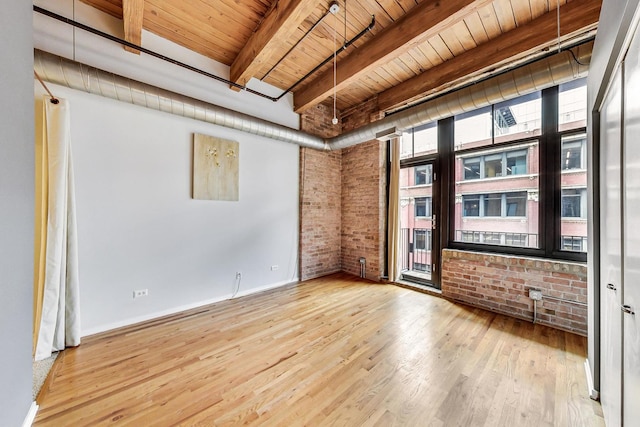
{"x": 59, "y": 325}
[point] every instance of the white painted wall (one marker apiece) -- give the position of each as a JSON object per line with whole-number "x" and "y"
{"x": 140, "y": 229}
{"x": 16, "y": 212}
{"x": 138, "y": 226}
{"x": 64, "y": 40}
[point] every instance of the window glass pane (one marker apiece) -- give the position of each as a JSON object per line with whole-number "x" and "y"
{"x": 425, "y": 139}
{"x": 491, "y": 238}
{"x": 423, "y": 206}
{"x": 419, "y": 239}
{"x": 501, "y": 208}
{"x": 472, "y": 168}
{"x": 572, "y": 105}
{"x": 516, "y": 204}
{"x": 406, "y": 145}
{"x": 422, "y": 175}
{"x": 573, "y": 203}
{"x": 471, "y": 205}
{"x": 419, "y": 141}
{"x": 518, "y": 118}
{"x": 574, "y": 148}
{"x": 575, "y": 244}
{"x": 415, "y": 219}
{"x": 422, "y": 240}
{"x": 492, "y": 205}
{"x": 493, "y": 166}
{"x": 419, "y": 266}
{"x": 473, "y": 129}
{"x": 517, "y": 162}
{"x": 471, "y": 236}
{"x": 516, "y": 239}
{"x": 497, "y": 163}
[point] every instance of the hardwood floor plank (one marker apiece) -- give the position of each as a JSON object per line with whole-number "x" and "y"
{"x": 331, "y": 351}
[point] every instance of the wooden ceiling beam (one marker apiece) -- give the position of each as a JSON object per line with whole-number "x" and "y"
{"x": 422, "y": 22}
{"x": 279, "y": 24}
{"x": 132, "y": 16}
{"x": 575, "y": 17}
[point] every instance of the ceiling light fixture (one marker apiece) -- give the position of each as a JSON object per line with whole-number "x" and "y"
{"x": 334, "y": 8}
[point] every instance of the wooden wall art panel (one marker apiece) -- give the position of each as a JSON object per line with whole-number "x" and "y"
{"x": 215, "y": 168}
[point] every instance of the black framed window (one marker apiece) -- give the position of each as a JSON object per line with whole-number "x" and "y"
{"x": 513, "y": 175}
{"x": 512, "y": 193}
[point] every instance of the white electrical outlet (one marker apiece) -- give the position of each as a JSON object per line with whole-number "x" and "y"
{"x": 140, "y": 293}
{"x": 275, "y": 267}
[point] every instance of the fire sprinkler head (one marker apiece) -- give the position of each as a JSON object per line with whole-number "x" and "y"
{"x": 334, "y": 7}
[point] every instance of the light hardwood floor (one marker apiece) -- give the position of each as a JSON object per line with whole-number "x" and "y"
{"x": 331, "y": 351}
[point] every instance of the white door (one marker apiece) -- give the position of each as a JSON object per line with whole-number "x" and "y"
{"x": 631, "y": 279}
{"x": 610, "y": 255}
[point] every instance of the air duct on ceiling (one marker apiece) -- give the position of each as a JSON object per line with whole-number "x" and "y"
{"x": 74, "y": 75}
{"x": 553, "y": 70}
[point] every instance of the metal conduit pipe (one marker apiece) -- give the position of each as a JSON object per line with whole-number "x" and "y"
{"x": 74, "y": 75}
{"x": 551, "y": 71}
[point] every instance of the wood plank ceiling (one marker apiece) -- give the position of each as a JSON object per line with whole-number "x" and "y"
{"x": 416, "y": 48}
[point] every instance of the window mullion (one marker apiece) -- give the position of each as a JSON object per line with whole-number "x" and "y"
{"x": 549, "y": 173}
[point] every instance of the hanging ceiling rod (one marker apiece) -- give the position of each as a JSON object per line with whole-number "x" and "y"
{"x": 150, "y": 52}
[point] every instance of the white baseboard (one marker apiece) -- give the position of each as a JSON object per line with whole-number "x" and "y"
{"x": 593, "y": 393}
{"x": 31, "y": 415}
{"x": 174, "y": 310}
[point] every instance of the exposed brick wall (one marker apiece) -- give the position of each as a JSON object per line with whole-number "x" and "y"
{"x": 320, "y": 212}
{"x": 317, "y": 121}
{"x": 501, "y": 283}
{"x": 363, "y": 208}
{"x": 362, "y": 114}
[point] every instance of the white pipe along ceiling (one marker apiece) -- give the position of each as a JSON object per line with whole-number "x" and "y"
{"x": 553, "y": 70}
